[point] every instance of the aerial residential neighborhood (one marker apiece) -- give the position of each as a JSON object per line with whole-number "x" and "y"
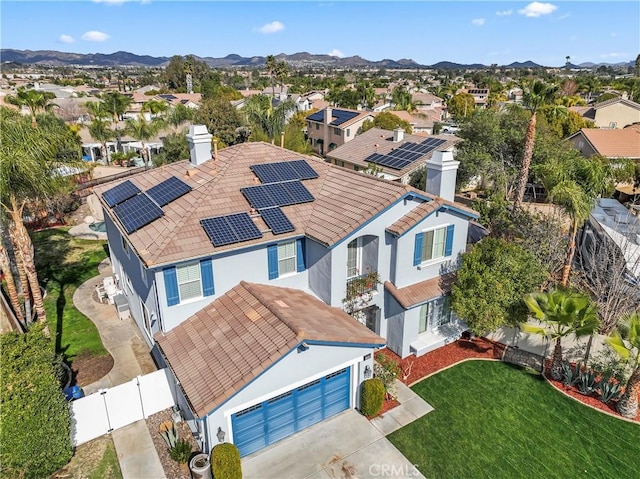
{"x": 275, "y": 251}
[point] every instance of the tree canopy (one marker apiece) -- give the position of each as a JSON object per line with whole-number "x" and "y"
{"x": 387, "y": 121}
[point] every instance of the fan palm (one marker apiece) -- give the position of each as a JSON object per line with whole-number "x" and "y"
{"x": 537, "y": 95}
{"x": 271, "y": 65}
{"x": 564, "y": 313}
{"x": 261, "y": 113}
{"x": 116, "y": 104}
{"x": 179, "y": 115}
{"x": 143, "y": 131}
{"x": 629, "y": 350}
{"x": 34, "y": 100}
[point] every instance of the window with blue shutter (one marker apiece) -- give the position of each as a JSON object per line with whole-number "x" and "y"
{"x": 417, "y": 251}
{"x": 206, "y": 272}
{"x": 448, "y": 247}
{"x": 272, "y": 258}
{"x": 171, "y": 286}
{"x": 300, "y": 255}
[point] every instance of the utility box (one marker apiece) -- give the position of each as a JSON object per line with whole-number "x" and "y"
{"x": 200, "y": 466}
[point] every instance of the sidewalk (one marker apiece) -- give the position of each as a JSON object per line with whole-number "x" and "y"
{"x": 136, "y": 453}
{"x": 411, "y": 407}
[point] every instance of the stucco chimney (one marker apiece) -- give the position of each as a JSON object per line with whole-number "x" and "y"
{"x": 398, "y": 135}
{"x": 199, "y": 140}
{"x": 441, "y": 174}
{"x": 328, "y": 115}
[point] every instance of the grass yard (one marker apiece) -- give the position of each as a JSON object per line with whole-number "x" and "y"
{"x": 95, "y": 459}
{"x": 63, "y": 263}
{"x": 494, "y": 420}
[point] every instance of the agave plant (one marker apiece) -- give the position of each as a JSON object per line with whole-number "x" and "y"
{"x": 609, "y": 390}
{"x": 629, "y": 348}
{"x": 169, "y": 434}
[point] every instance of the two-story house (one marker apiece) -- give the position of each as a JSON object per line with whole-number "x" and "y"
{"x": 330, "y": 128}
{"x": 614, "y": 113}
{"x": 237, "y": 267}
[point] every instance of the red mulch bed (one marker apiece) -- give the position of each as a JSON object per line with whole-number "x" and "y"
{"x": 414, "y": 369}
{"x": 388, "y": 405}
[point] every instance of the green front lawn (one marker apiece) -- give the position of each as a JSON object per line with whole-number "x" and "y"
{"x": 63, "y": 263}
{"x": 493, "y": 420}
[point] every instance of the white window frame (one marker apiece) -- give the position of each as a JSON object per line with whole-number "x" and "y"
{"x": 433, "y": 257}
{"x": 282, "y": 257}
{"x": 125, "y": 247}
{"x": 146, "y": 319}
{"x": 358, "y": 258}
{"x": 143, "y": 274}
{"x": 337, "y": 131}
{"x": 427, "y": 321}
{"x": 196, "y": 267}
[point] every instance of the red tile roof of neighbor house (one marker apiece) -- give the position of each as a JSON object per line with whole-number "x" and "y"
{"x": 377, "y": 140}
{"x": 238, "y": 336}
{"x": 344, "y": 200}
{"x": 614, "y": 143}
{"x": 421, "y": 292}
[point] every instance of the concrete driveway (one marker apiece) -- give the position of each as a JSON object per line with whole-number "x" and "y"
{"x": 345, "y": 446}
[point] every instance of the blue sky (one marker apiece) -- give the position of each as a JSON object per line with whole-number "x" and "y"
{"x": 425, "y": 31}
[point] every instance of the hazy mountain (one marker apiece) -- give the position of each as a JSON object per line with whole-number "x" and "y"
{"x": 300, "y": 59}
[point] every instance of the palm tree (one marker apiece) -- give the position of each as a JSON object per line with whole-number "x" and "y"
{"x": 629, "y": 350}
{"x": 564, "y": 313}
{"x": 102, "y": 132}
{"x": 5, "y": 267}
{"x": 179, "y": 115}
{"x": 537, "y": 95}
{"x": 143, "y": 130}
{"x": 26, "y": 172}
{"x": 261, "y": 113}
{"x": 34, "y": 100}
{"x": 402, "y": 99}
{"x": 271, "y": 65}
{"x": 281, "y": 73}
{"x": 155, "y": 108}
{"x": 116, "y": 104}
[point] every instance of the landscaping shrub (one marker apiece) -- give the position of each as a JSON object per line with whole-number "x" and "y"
{"x": 387, "y": 370}
{"x": 35, "y": 437}
{"x": 225, "y": 462}
{"x": 372, "y": 396}
{"x": 181, "y": 451}
{"x": 609, "y": 389}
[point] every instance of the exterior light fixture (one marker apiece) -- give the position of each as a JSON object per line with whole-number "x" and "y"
{"x": 303, "y": 347}
{"x": 367, "y": 371}
{"x": 220, "y": 435}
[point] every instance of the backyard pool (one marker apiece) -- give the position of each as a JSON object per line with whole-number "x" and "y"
{"x": 98, "y": 227}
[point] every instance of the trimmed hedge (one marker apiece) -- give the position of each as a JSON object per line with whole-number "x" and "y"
{"x": 225, "y": 461}
{"x": 372, "y": 394}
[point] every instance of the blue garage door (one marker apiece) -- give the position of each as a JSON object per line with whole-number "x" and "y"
{"x": 281, "y": 416}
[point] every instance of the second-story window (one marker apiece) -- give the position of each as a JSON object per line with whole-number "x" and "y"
{"x": 354, "y": 258}
{"x": 286, "y": 258}
{"x": 433, "y": 244}
{"x": 189, "y": 281}
{"x": 317, "y": 126}
{"x": 336, "y": 131}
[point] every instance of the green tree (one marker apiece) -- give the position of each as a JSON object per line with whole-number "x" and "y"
{"x": 157, "y": 108}
{"x": 490, "y": 284}
{"x": 563, "y": 312}
{"x": 143, "y": 131}
{"x": 101, "y": 131}
{"x": 387, "y": 121}
{"x": 271, "y": 64}
{"x": 179, "y": 115}
{"x": 174, "y": 148}
{"x": 402, "y": 99}
{"x": 263, "y": 115}
{"x": 34, "y": 100}
{"x": 35, "y": 437}
{"x": 536, "y": 95}
{"x": 627, "y": 346}
{"x": 222, "y": 120}
{"x": 116, "y": 104}
{"x": 461, "y": 106}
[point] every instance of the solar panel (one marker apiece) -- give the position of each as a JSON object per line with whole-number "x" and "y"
{"x": 277, "y": 194}
{"x": 170, "y": 189}
{"x": 304, "y": 170}
{"x": 137, "y": 212}
{"x": 284, "y": 171}
{"x": 341, "y": 116}
{"x": 258, "y": 197}
{"x": 298, "y": 191}
{"x": 266, "y": 172}
{"x": 406, "y": 153}
{"x": 229, "y": 229}
{"x": 276, "y": 220}
{"x": 119, "y": 193}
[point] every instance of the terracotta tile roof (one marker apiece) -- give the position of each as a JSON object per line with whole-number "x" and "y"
{"x": 344, "y": 200}
{"x": 613, "y": 101}
{"x": 423, "y": 210}
{"x": 422, "y": 292}
{"x": 238, "y": 336}
{"x": 377, "y": 140}
{"x": 614, "y": 143}
{"x": 419, "y": 121}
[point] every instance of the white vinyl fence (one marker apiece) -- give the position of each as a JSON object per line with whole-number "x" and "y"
{"x": 113, "y": 408}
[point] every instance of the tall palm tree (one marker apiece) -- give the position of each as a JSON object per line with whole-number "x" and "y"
{"x": 179, "y": 115}
{"x": 143, "y": 131}
{"x": 5, "y": 267}
{"x": 261, "y": 113}
{"x": 34, "y": 100}
{"x": 535, "y": 96}
{"x": 116, "y": 104}
{"x": 99, "y": 127}
{"x": 271, "y": 65}
{"x": 564, "y": 313}
{"x": 629, "y": 350}
{"x": 156, "y": 108}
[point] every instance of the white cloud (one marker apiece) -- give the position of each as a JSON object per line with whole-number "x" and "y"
{"x": 504, "y": 13}
{"x": 272, "y": 27}
{"x": 94, "y": 36}
{"x": 66, "y": 38}
{"x": 614, "y": 55}
{"x": 478, "y": 21}
{"x": 336, "y": 53}
{"x": 537, "y": 9}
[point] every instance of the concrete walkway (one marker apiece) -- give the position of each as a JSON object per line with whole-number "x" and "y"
{"x": 136, "y": 453}
{"x": 345, "y": 446}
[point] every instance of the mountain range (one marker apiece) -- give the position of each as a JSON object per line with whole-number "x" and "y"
{"x": 302, "y": 59}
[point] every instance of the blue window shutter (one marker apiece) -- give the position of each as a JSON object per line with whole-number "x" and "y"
{"x": 171, "y": 286}
{"x": 417, "y": 251}
{"x": 272, "y": 257}
{"x": 300, "y": 255}
{"x": 448, "y": 246}
{"x": 206, "y": 273}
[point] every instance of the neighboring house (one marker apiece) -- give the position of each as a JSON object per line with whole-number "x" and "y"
{"x": 190, "y": 100}
{"x": 425, "y": 102}
{"x": 480, "y": 96}
{"x": 236, "y": 268}
{"x": 420, "y": 123}
{"x": 614, "y": 113}
{"x": 608, "y": 143}
{"x": 396, "y": 153}
{"x": 332, "y": 127}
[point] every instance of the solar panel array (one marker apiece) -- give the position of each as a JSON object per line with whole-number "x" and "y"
{"x": 229, "y": 229}
{"x": 120, "y": 193}
{"x": 137, "y": 212}
{"x": 170, "y": 189}
{"x": 276, "y": 220}
{"x": 277, "y": 194}
{"x": 341, "y": 116}
{"x": 406, "y": 154}
{"x": 284, "y": 171}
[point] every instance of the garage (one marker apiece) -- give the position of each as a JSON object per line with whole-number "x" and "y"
{"x": 270, "y": 421}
